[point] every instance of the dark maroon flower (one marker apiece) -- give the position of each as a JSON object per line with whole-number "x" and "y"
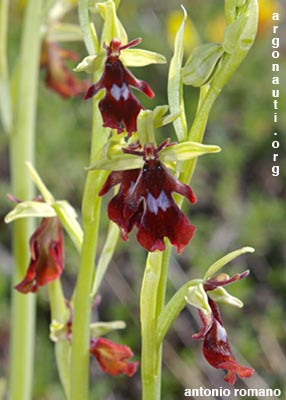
{"x": 119, "y": 108}
{"x": 112, "y": 357}
{"x": 145, "y": 200}
{"x": 47, "y": 256}
{"x": 59, "y": 78}
{"x": 115, "y": 208}
{"x": 216, "y": 347}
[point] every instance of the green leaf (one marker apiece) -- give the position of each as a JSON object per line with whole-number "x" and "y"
{"x": 214, "y": 268}
{"x": 105, "y": 257}
{"x": 175, "y": 85}
{"x": 28, "y": 209}
{"x": 92, "y": 63}
{"x": 201, "y": 64}
{"x": 186, "y": 151}
{"x": 140, "y": 57}
{"x": 112, "y": 27}
{"x": 98, "y": 329}
{"x": 221, "y": 295}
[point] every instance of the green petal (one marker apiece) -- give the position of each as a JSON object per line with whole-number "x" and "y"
{"x": 201, "y": 64}
{"x": 186, "y": 151}
{"x": 214, "y": 268}
{"x": 28, "y": 209}
{"x": 140, "y": 57}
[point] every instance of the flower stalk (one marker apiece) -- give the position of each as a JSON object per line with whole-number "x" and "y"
{"x": 22, "y": 150}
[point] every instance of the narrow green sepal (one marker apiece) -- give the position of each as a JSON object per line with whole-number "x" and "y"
{"x": 112, "y": 27}
{"x": 91, "y": 64}
{"x": 198, "y": 298}
{"x": 47, "y": 196}
{"x": 214, "y": 268}
{"x": 201, "y": 64}
{"x": 98, "y": 329}
{"x": 221, "y": 295}
{"x": 118, "y": 162}
{"x": 68, "y": 218}
{"x": 186, "y": 151}
{"x": 141, "y": 57}
{"x": 31, "y": 208}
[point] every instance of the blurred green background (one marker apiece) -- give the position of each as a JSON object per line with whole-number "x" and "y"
{"x": 239, "y": 203}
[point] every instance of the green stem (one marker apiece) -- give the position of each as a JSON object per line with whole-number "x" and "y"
{"x": 151, "y": 355}
{"x": 5, "y": 103}
{"x": 82, "y": 299}
{"x": 22, "y": 150}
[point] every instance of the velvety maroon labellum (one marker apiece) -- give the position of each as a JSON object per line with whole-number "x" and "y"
{"x": 112, "y": 357}
{"x": 47, "y": 256}
{"x": 119, "y": 107}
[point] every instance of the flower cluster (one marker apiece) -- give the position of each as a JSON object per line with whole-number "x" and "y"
{"x": 119, "y": 108}
{"x": 216, "y": 347}
{"x": 145, "y": 200}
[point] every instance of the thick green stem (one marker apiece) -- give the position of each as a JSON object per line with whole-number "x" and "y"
{"x": 22, "y": 150}
{"x": 83, "y": 301}
{"x": 151, "y": 355}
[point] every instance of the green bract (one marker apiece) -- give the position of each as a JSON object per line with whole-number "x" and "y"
{"x": 175, "y": 86}
{"x": 201, "y": 64}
